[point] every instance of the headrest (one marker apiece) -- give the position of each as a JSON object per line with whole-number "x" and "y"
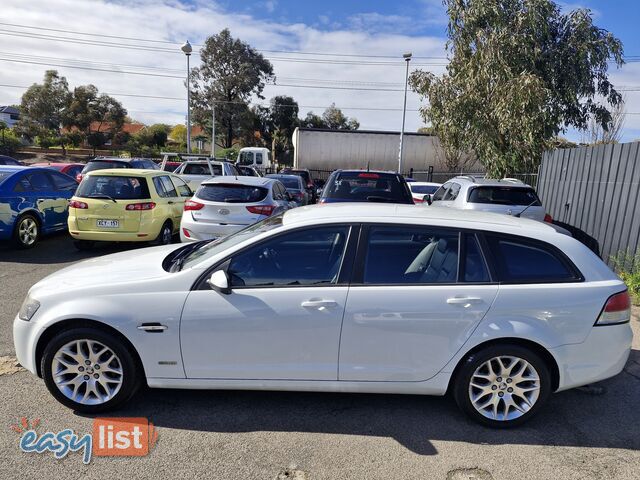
{"x": 442, "y": 245}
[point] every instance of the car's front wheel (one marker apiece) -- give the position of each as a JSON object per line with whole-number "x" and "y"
{"x": 502, "y": 386}
{"x": 89, "y": 370}
{"x": 27, "y": 231}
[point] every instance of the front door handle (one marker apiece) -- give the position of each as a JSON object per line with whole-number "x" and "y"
{"x": 152, "y": 327}
{"x": 463, "y": 300}
{"x": 319, "y": 304}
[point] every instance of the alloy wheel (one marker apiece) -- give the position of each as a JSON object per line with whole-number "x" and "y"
{"x": 28, "y": 231}
{"x": 504, "y": 388}
{"x": 87, "y": 372}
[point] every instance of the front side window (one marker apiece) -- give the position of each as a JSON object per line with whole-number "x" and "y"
{"x": 439, "y": 195}
{"x": 182, "y": 187}
{"x": 452, "y": 193}
{"x": 302, "y": 258}
{"x": 414, "y": 255}
{"x": 524, "y": 261}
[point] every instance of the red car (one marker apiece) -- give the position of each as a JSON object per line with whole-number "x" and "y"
{"x": 71, "y": 169}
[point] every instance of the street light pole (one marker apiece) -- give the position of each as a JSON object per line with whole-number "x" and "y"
{"x": 213, "y": 129}
{"x": 186, "y": 48}
{"x": 407, "y": 58}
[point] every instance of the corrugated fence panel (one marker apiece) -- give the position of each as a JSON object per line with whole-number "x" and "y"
{"x": 596, "y": 191}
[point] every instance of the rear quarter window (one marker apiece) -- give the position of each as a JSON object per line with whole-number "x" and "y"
{"x": 519, "y": 260}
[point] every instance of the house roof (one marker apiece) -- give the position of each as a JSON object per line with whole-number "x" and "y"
{"x": 9, "y": 109}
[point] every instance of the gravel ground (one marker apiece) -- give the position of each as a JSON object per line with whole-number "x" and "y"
{"x": 273, "y": 435}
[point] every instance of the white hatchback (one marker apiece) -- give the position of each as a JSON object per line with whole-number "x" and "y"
{"x": 500, "y": 311}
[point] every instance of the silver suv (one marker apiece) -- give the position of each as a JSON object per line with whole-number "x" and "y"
{"x": 508, "y": 196}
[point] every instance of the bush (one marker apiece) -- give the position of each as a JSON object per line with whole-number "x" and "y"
{"x": 9, "y": 142}
{"x": 627, "y": 266}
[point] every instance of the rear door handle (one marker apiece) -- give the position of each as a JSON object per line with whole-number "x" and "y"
{"x": 463, "y": 300}
{"x": 320, "y": 304}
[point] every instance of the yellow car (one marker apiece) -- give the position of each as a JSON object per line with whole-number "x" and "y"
{"x": 127, "y": 205}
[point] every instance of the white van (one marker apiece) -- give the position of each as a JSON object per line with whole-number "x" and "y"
{"x": 256, "y": 157}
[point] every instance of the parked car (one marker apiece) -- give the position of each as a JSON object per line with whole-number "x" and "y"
{"x": 127, "y": 205}
{"x": 71, "y": 169}
{"x": 249, "y": 171}
{"x": 256, "y": 157}
{"x": 507, "y": 196}
{"x": 223, "y": 205}
{"x": 103, "y": 163}
{"x": 500, "y": 311}
{"x": 306, "y": 176}
{"x": 33, "y": 202}
{"x": 170, "y": 166}
{"x": 295, "y": 186}
{"x": 366, "y": 186}
{"x": 6, "y": 160}
{"x": 194, "y": 172}
{"x": 420, "y": 189}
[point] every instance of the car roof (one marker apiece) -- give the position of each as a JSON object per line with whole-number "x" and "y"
{"x": 415, "y": 215}
{"x": 129, "y": 172}
{"x": 240, "y": 180}
{"x": 118, "y": 159}
{"x": 282, "y": 175}
{"x": 204, "y": 162}
{"x": 489, "y": 182}
{"x": 424, "y": 184}
{"x": 55, "y": 164}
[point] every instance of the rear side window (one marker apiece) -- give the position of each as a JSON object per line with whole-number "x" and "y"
{"x": 504, "y": 196}
{"x": 63, "y": 182}
{"x": 118, "y": 188}
{"x": 40, "y": 182}
{"x": 369, "y": 187}
{"x": 524, "y": 261}
{"x": 201, "y": 169}
{"x": 232, "y": 193}
{"x": 418, "y": 255}
{"x": 164, "y": 187}
{"x": 103, "y": 165}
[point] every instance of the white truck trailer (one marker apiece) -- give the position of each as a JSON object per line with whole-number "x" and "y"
{"x": 321, "y": 149}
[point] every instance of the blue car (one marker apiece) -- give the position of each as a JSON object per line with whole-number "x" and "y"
{"x": 34, "y": 201}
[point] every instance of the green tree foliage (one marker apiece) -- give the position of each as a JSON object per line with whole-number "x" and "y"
{"x": 9, "y": 141}
{"x": 520, "y": 73}
{"x": 43, "y": 106}
{"x": 331, "y": 118}
{"x": 230, "y": 73}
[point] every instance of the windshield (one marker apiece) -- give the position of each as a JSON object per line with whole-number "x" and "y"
{"x": 117, "y": 188}
{"x": 246, "y": 158}
{"x": 232, "y": 193}
{"x": 211, "y": 249}
{"x": 504, "y": 196}
{"x": 424, "y": 189}
{"x": 366, "y": 186}
{"x": 103, "y": 165}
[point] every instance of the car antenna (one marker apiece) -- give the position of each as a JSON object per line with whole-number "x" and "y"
{"x": 525, "y": 209}
{"x": 367, "y": 165}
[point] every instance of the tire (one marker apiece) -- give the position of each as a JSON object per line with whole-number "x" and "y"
{"x": 524, "y": 386}
{"x": 93, "y": 388}
{"x": 27, "y": 231}
{"x": 84, "y": 245}
{"x": 165, "y": 237}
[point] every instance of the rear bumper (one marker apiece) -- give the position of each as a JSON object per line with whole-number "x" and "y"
{"x": 602, "y": 355}
{"x": 206, "y": 231}
{"x": 149, "y": 231}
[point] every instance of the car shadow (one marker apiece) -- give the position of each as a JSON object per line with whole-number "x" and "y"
{"x": 576, "y": 418}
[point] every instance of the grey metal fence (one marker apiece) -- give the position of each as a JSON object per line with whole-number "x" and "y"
{"x": 595, "y": 192}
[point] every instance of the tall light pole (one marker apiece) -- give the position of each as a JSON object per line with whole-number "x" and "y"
{"x": 186, "y": 48}
{"x": 213, "y": 129}
{"x": 407, "y": 59}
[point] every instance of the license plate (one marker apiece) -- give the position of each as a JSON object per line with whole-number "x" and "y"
{"x": 108, "y": 223}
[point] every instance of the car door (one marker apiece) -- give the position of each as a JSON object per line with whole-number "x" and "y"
{"x": 412, "y": 304}
{"x": 450, "y": 195}
{"x": 44, "y": 197}
{"x": 65, "y": 187}
{"x": 280, "y": 197}
{"x": 281, "y": 318}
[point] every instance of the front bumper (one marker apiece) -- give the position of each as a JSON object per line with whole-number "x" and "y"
{"x": 25, "y": 338}
{"x": 602, "y": 355}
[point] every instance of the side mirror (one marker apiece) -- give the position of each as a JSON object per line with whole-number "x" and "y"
{"x": 427, "y": 199}
{"x": 219, "y": 281}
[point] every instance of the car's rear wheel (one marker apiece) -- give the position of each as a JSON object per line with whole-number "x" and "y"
{"x": 502, "y": 386}
{"x": 27, "y": 231}
{"x": 89, "y": 370}
{"x": 165, "y": 236}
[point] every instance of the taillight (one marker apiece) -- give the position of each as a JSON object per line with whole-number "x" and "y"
{"x": 186, "y": 233}
{"x": 141, "y": 206}
{"x": 262, "y": 209}
{"x": 418, "y": 200}
{"x": 616, "y": 310}
{"x": 191, "y": 205}
{"x": 78, "y": 204}
{"x": 548, "y": 218}
{"x": 79, "y": 177}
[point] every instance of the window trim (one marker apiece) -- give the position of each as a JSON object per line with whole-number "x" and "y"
{"x": 345, "y": 270}
{"x": 578, "y": 277}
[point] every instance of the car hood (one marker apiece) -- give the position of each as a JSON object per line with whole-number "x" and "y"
{"x": 134, "y": 266}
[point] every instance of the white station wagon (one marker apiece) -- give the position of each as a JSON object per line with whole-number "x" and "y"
{"x": 500, "y": 311}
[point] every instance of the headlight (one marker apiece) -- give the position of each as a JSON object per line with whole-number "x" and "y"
{"x": 28, "y": 309}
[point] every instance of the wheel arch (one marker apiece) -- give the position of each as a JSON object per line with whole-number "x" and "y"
{"x": 540, "y": 350}
{"x": 63, "y": 325}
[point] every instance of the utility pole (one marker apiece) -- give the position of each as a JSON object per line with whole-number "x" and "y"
{"x": 407, "y": 58}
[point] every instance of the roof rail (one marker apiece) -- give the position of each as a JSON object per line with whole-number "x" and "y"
{"x": 469, "y": 177}
{"x": 512, "y": 180}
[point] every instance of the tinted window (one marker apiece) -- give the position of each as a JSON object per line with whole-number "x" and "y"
{"x": 22, "y": 185}
{"x": 523, "y": 261}
{"x": 439, "y": 195}
{"x": 423, "y": 189}
{"x": 182, "y": 187}
{"x": 475, "y": 269}
{"x": 402, "y": 254}
{"x": 504, "y": 196}
{"x": 118, "y": 188}
{"x": 452, "y": 193}
{"x": 63, "y": 182}
{"x": 232, "y": 193}
{"x": 103, "y": 165}
{"x": 40, "y": 182}
{"x": 201, "y": 169}
{"x": 372, "y": 187}
{"x": 289, "y": 182}
{"x": 308, "y": 257}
